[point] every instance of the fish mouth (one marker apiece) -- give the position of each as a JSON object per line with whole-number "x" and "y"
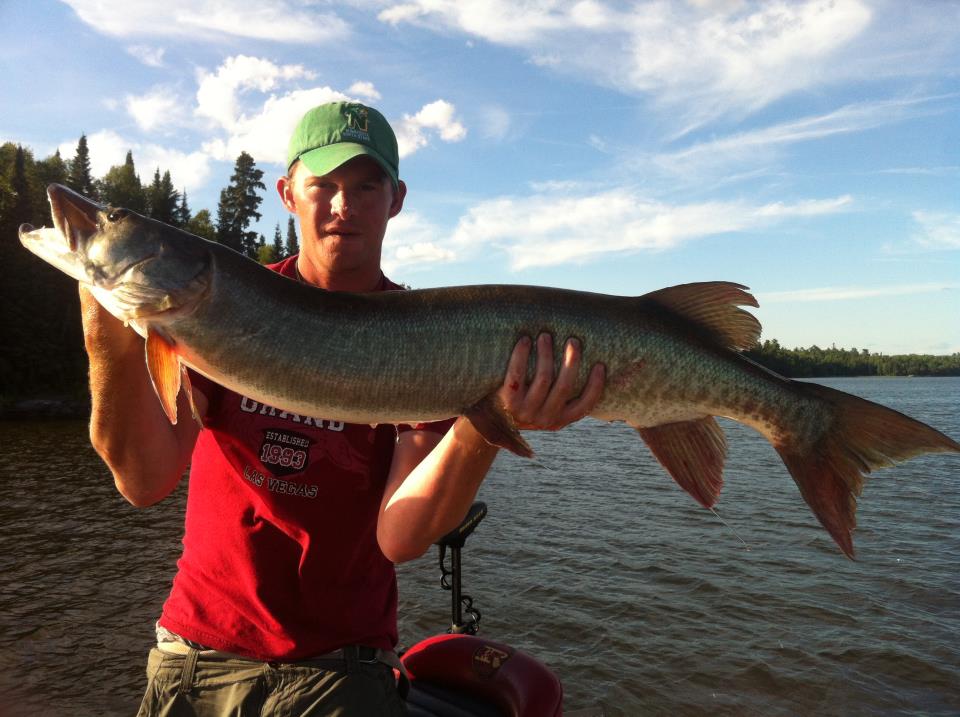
{"x": 52, "y": 246}
{"x": 103, "y": 280}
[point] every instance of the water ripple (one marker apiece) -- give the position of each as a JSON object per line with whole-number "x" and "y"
{"x": 592, "y": 560}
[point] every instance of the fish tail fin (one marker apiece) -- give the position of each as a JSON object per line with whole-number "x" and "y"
{"x": 858, "y": 436}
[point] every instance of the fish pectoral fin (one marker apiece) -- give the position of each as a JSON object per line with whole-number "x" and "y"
{"x": 164, "y": 368}
{"x": 693, "y": 452}
{"x": 497, "y": 426}
{"x": 188, "y": 388}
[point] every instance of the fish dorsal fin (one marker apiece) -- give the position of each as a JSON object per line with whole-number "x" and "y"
{"x": 714, "y": 305}
{"x": 164, "y": 368}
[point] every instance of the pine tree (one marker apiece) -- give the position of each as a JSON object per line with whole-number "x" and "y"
{"x": 201, "y": 225}
{"x": 20, "y": 198}
{"x": 22, "y": 210}
{"x": 181, "y": 217}
{"x": 42, "y": 350}
{"x": 238, "y": 206}
{"x": 121, "y": 187}
{"x": 277, "y": 244}
{"x": 79, "y": 177}
{"x": 52, "y": 170}
{"x": 292, "y": 246}
{"x": 162, "y": 198}
{"x": 227, "y": 231}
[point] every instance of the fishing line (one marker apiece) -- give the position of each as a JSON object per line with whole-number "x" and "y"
{"x": 537, "y": 462}
{"x": 730, "y": 528}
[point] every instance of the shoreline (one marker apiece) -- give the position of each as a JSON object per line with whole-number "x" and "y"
{"x": 45, "y": 408}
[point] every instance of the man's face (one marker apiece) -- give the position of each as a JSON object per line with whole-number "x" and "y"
{"x": 343, "y": 215}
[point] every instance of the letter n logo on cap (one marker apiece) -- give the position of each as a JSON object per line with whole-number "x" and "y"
{"x": 357, "y": 118}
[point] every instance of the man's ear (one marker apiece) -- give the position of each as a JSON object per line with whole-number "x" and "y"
{"x": 398, "y": 195}
{"x": 285, "y": 190}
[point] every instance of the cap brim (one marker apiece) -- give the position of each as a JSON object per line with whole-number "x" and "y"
{"x": 324, "y": 160}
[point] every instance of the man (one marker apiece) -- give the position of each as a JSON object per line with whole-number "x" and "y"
{"x": 285, "y": 596}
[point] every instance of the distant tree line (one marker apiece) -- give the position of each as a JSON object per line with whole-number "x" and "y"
{"x": 817, "y": 362}
{"x": 42, "y": 351}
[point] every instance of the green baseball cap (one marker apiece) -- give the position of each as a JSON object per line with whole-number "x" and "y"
{"x": 330, "y": 134}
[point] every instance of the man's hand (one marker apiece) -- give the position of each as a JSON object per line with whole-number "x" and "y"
{"x": 431, "y": 485}
{"x": 546, "y": 403}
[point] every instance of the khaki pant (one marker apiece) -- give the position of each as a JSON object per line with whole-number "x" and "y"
{"x": 201, "y": 686}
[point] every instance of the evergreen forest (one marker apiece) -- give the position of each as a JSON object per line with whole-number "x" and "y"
{"x": 42, "y": 355}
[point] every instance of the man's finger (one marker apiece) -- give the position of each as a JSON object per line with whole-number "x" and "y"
{"x": 542, "y": 378}
{"x": 552, "y": 409}
{"x": 513, "y": 382}
{"x": 588, "y": 398}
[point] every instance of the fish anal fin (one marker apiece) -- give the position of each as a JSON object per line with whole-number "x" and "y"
{"x": 714, "y": 306}
{"x": 693, "y": 452}
{"x": 496, "y": 426}
{"x": 164, "y": 367}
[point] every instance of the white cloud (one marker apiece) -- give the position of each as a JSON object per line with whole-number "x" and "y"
{"x": 157, "y": 108}
{"x": 700, "y": 60}
{"x": 549, "y": 230}
{"x": 501, "y": 21}
{"x": 217, "y": 92}
{"x": 566, "y": 223}
{"x": 411, "y": 241}
{"x": 232, "y": 97}
{"x": 496, "y": 122}
{"x": 189, "y": 170}
{"x": 748, "y": 147}
{"x": 557, "y": 186}
{"x": 364, "y": 90}
{"x": 942, "y": 171}
{"x": 278, "y": 20}
{"x": 106, "y": 148}
{"x": 939, "y": 230}
{"x": 149, "y": 56}
{"x": 412, "y": 131}
{"x": 723, "y": 58}
{"x": 265, "y": 134}
{"x": 805, "y": 208}
{"x": 846, "y": 293}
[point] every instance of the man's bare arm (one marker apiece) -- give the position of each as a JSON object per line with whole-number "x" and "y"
{"x": 128, "y": 428}
{"x": 434, "y": 480}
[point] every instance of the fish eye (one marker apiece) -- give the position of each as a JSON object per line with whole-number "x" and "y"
{"x": 116, "y": 215}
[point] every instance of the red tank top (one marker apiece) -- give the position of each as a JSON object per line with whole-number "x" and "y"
{"x": 280, "y": 556}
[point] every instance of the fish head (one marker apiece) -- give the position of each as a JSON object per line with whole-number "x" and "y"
{"x": 135, "y": 266}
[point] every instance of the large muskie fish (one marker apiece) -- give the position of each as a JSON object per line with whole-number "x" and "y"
{"x": 672, "y": 356}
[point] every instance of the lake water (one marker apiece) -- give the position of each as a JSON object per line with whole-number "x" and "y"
{"x": 591, "y": 559}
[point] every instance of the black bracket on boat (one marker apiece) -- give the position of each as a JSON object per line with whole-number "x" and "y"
{"x": 465, "y": 618}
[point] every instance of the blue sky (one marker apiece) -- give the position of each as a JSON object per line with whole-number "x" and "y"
{"x": 810, "y": 150}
